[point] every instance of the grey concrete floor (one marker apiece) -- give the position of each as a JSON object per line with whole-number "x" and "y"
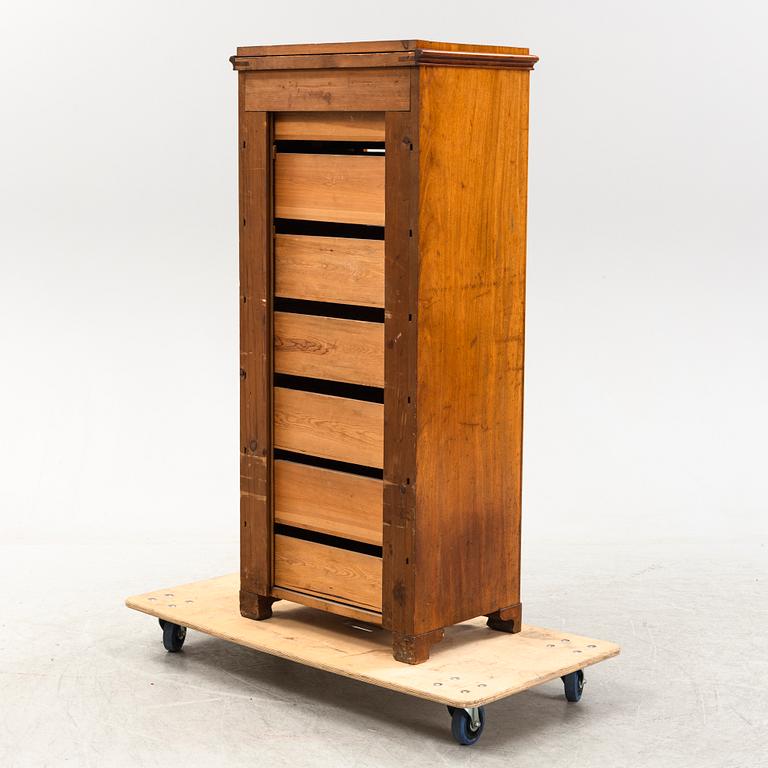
{"x": 86, "y": 682}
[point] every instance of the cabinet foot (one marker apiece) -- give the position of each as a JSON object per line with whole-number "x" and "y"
{"x": 258, "y": 607}
{"x": 508, "y": 619}
{"x": 414, "y": 649}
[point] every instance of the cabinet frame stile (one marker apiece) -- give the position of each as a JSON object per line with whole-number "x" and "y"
{"x": 256, "y": 464}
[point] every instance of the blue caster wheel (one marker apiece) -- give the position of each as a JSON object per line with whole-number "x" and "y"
{"x": 173, "y": 636}
{"x": 467, "y": 724}
{"x": 574, "y": 685}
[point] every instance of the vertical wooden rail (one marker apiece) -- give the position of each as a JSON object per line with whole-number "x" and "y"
{"x": 255, "y": 361}
{"x": 400, "y": 333}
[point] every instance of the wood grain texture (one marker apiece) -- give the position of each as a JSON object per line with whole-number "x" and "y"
{"x": 363, "y": 615}
{"x": 472, "y": 665}
{"x": 323, "y": 61}
{"x": 369, "y": 46}
{"x": 337, "y": 503}
{"x": 318, "y": 569}
{"x": 293, "y": 49}
{"x": 401, "y": 258}
{"x": 415, "y": 649}
{"x": 419, "y": 57}
{"x": 329, "y": 348}
{"x": 329, "y": 126}
{"x": 342, "y": 270}
{"x": 437, "y": 45}
{"x": 474, "y": 59}
{"x": 255, "y": 356}
{"x": 330, "y": 427}
{"x": 472, "y": 229}
{"x": 451, "y": 191}
{"x": 327, "y": 90}
{"x": 342, "y": 188}
{"x": 255, "y": 606}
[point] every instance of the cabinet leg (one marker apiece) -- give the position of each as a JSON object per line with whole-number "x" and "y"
{"x": 507, "y": 619}
{"x": 256, "y": 607}
{"x": 414, "y": 649}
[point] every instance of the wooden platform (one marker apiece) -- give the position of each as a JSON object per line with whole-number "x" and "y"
{"x": 470, "y": 667}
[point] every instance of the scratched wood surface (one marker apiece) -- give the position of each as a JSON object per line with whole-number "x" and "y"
{"x": 327, "y": 90}
{"x": 472, "y": 666}
{"x": 400, "y": 385}
{"x": 381, "y": 61}
{"x": 255, "y": 354}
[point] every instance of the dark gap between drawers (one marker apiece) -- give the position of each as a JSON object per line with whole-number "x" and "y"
{"x": 328, "y": 387}
{"x": 328, "y": 229}
{"x": 328, "y": 309}
{"x": 331, "y": 541}
{"x": 280, "y": 454}
{"x": 318, "y": 147}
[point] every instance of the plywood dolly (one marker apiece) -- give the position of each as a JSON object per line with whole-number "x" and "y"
{"x": 471, "y": 668}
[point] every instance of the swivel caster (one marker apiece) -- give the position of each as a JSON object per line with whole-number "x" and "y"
{"x": 173, "y": 636}
{"x": 574, "y": 685}
{"x": 467, "y": 724}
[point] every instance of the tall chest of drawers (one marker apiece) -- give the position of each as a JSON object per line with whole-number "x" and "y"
{"x": 382, "y": 293}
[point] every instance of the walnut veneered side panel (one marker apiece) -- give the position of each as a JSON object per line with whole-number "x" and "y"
{"x": 329, "y": 126}
{"x": 341, "y": 188}
{"x": 342, "y": 270}
{"x": 349, "y": 577}
{"x": 328, "y": 90}
{"x": 330, "y": 427}
{"x": 329, "y": 348}
{"x": 336, "y": 503}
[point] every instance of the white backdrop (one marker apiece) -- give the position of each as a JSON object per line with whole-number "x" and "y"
{"x": 646, "y": 409}
{"x": 645, "y": 493}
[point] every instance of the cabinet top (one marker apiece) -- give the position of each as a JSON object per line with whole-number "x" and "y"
{"x": 382, "y": 53}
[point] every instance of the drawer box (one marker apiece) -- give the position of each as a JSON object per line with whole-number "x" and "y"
{"x": 336, "y": 428}
{"x": 329, "y": 572}
{"x": 323, "y": 500}
{"x": 329, "y": 348}
{"x": 340, "y": 188}
{"x": 341, "y": 270}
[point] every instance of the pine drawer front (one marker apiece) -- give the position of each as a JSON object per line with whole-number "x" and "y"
{"x": 327, "y": 501}
{"x": 329, "y": 126}
{"x": 341, "y": 270}
{"x": 325, "y": 571}
{"x": 329, "y": 348}
{"x": 322, "y": 187}
{"x": 336, "y": 428}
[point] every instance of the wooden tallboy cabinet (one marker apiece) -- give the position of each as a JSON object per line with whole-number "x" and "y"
{"x": 382, "y": 295}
